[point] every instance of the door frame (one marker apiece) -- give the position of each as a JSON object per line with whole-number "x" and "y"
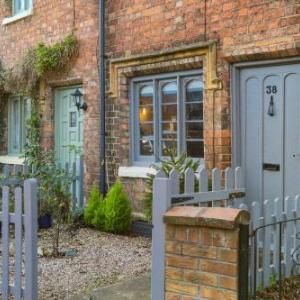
{"x": 56, "y": 115}
{"x": 235, "y": 70}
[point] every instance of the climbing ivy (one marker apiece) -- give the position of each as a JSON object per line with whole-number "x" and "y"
{"x": 25, "y": 76}
{"x": 36, "y": 65}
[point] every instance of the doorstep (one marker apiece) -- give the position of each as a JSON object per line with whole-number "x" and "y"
{"x": 133, "y": 289}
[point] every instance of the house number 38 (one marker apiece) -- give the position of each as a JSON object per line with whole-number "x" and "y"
{"x": 271, "y": 89}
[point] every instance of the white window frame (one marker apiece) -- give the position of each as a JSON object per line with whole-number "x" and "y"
{"x": 181, "y": 78}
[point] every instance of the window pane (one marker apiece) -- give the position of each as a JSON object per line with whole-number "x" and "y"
{"x": 146, "y": 129}
{"x": 73, "y": 119}
{"x": 169, "y": 129}
{"x": 194, "y": 91}
{"x": 169, "y": 93}
{"x": 195, "y": 149}
{"x": 15, "y": 130}
{"x": 194, "y": 111}
{"x": 169, "y": 133}
{"x": 169, "y": 112}
{"x": 147, "y": 146}
{"x": 168, "y": 146}
{"x": 146, "y": 95}
{"x": 146, "y": 114}
{"x": 194, "y": 130}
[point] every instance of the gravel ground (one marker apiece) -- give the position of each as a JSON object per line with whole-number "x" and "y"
{"x": 290, "y": 290}
{"x": 100, "y": 259}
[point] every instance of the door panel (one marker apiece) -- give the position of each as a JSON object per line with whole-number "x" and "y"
{"x": 272, "y": 136}
{"x": 292, "y": 133}
{"x": 68, "y": 127}
{"x": 270, "y": 131}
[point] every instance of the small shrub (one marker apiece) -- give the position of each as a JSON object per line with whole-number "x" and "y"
{"x": 99, "y": 216}
{"x": 117, "y": 210}
{"x": 94, "y": 202}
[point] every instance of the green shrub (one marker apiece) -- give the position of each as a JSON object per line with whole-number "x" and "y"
{"x": 94, "y": 202}
{"x": 117, "y": 210}
{"x": 99, "y": 216}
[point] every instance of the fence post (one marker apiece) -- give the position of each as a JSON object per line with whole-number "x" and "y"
{"x": 244, "y": 262}
{"x": 204, "y": 247}
{"x": 80, "y": 182}
{"x": 5, "y": 243}
{"x": 31, "y": 216}
{"x": 161, "y": 203}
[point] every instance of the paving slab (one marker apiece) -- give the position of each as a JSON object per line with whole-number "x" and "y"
{"x": 133, "y": 289}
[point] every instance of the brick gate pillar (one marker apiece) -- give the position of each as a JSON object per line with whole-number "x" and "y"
{"x": 206, "y": 253}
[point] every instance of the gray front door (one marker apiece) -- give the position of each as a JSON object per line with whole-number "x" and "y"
{"x": 270, "y": 131}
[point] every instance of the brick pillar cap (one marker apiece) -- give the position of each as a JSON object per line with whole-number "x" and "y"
{"x": 216, "y": 217}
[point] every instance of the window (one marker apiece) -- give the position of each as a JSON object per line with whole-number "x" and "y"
{"x": 20, "y": 6}
{"x": 18, "y": 113}
{"x": 167, "y": 114}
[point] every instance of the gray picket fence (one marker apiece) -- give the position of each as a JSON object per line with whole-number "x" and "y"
{"x": 25, "y": 278}
{"x": 11, "y": 176}
{"x": 276, "y": 250}
{"x": 197, "y": 191}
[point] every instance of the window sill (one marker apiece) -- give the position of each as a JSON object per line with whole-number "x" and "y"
{"x": 11, "y": 160}
{"x": 20, "y": 16}
{"x": 136, "y": 172}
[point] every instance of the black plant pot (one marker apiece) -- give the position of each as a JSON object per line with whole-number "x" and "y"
{"x": 45, "y": 221}
{"x": 142, "y": 228}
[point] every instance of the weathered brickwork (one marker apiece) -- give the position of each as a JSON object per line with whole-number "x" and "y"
{"x": 201, "y": 261}
{"x": 244, "y": 30}
{"x": 51, "y": 21}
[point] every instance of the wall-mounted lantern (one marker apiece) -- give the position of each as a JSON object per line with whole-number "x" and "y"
{"x": 79, "y": 102}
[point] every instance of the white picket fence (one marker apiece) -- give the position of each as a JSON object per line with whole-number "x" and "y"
{"x": 166, "y": 193}
{"x": 25, "y": 231}
{"x": 274, "y": 245}
{"x": 198, "y": 191}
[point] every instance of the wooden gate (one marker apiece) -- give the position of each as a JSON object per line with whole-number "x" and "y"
{"x": 19, "y": 209}
{"x": 197, "y": 191}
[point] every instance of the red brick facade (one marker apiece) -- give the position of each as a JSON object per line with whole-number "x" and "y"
{"x": 244, "y": 30}
{"x": 52, "y": 21}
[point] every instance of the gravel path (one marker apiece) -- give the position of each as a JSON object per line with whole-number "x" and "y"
{"x": 101, "y": 259}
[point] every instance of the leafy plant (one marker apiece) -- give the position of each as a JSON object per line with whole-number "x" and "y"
{"x": 117, "y": 210}
{"x": 53, "y": 57}
{"x": 24, "y": 77}
{"x": 94, "y": 211}
{"x": 32, "y": 151}
{"x": 179, "y": 163}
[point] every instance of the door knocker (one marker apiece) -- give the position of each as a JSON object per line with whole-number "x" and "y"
{"x": 271, "y": 107}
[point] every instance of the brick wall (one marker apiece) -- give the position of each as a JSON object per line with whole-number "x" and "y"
{"x": 202, "y": 253}
{"x": 51, "y": 21}
{"x": 245, "y": 30}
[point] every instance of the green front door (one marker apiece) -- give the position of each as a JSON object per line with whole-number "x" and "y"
{"x": 68, "y": 127}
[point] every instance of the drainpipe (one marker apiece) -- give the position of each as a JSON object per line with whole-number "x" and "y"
{"x": 102, "y": 95}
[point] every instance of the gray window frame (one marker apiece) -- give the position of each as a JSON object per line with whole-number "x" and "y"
{"x": 25, "y": 5}
{"x": 182, "y": 79}
{"x": 18, "y": 134}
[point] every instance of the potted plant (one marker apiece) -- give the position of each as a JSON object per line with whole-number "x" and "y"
{"x": 45, "y": 216}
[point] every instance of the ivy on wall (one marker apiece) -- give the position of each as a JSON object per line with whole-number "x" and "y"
{"x": 36, "y": 65}
{"x": 26, "y": 77}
